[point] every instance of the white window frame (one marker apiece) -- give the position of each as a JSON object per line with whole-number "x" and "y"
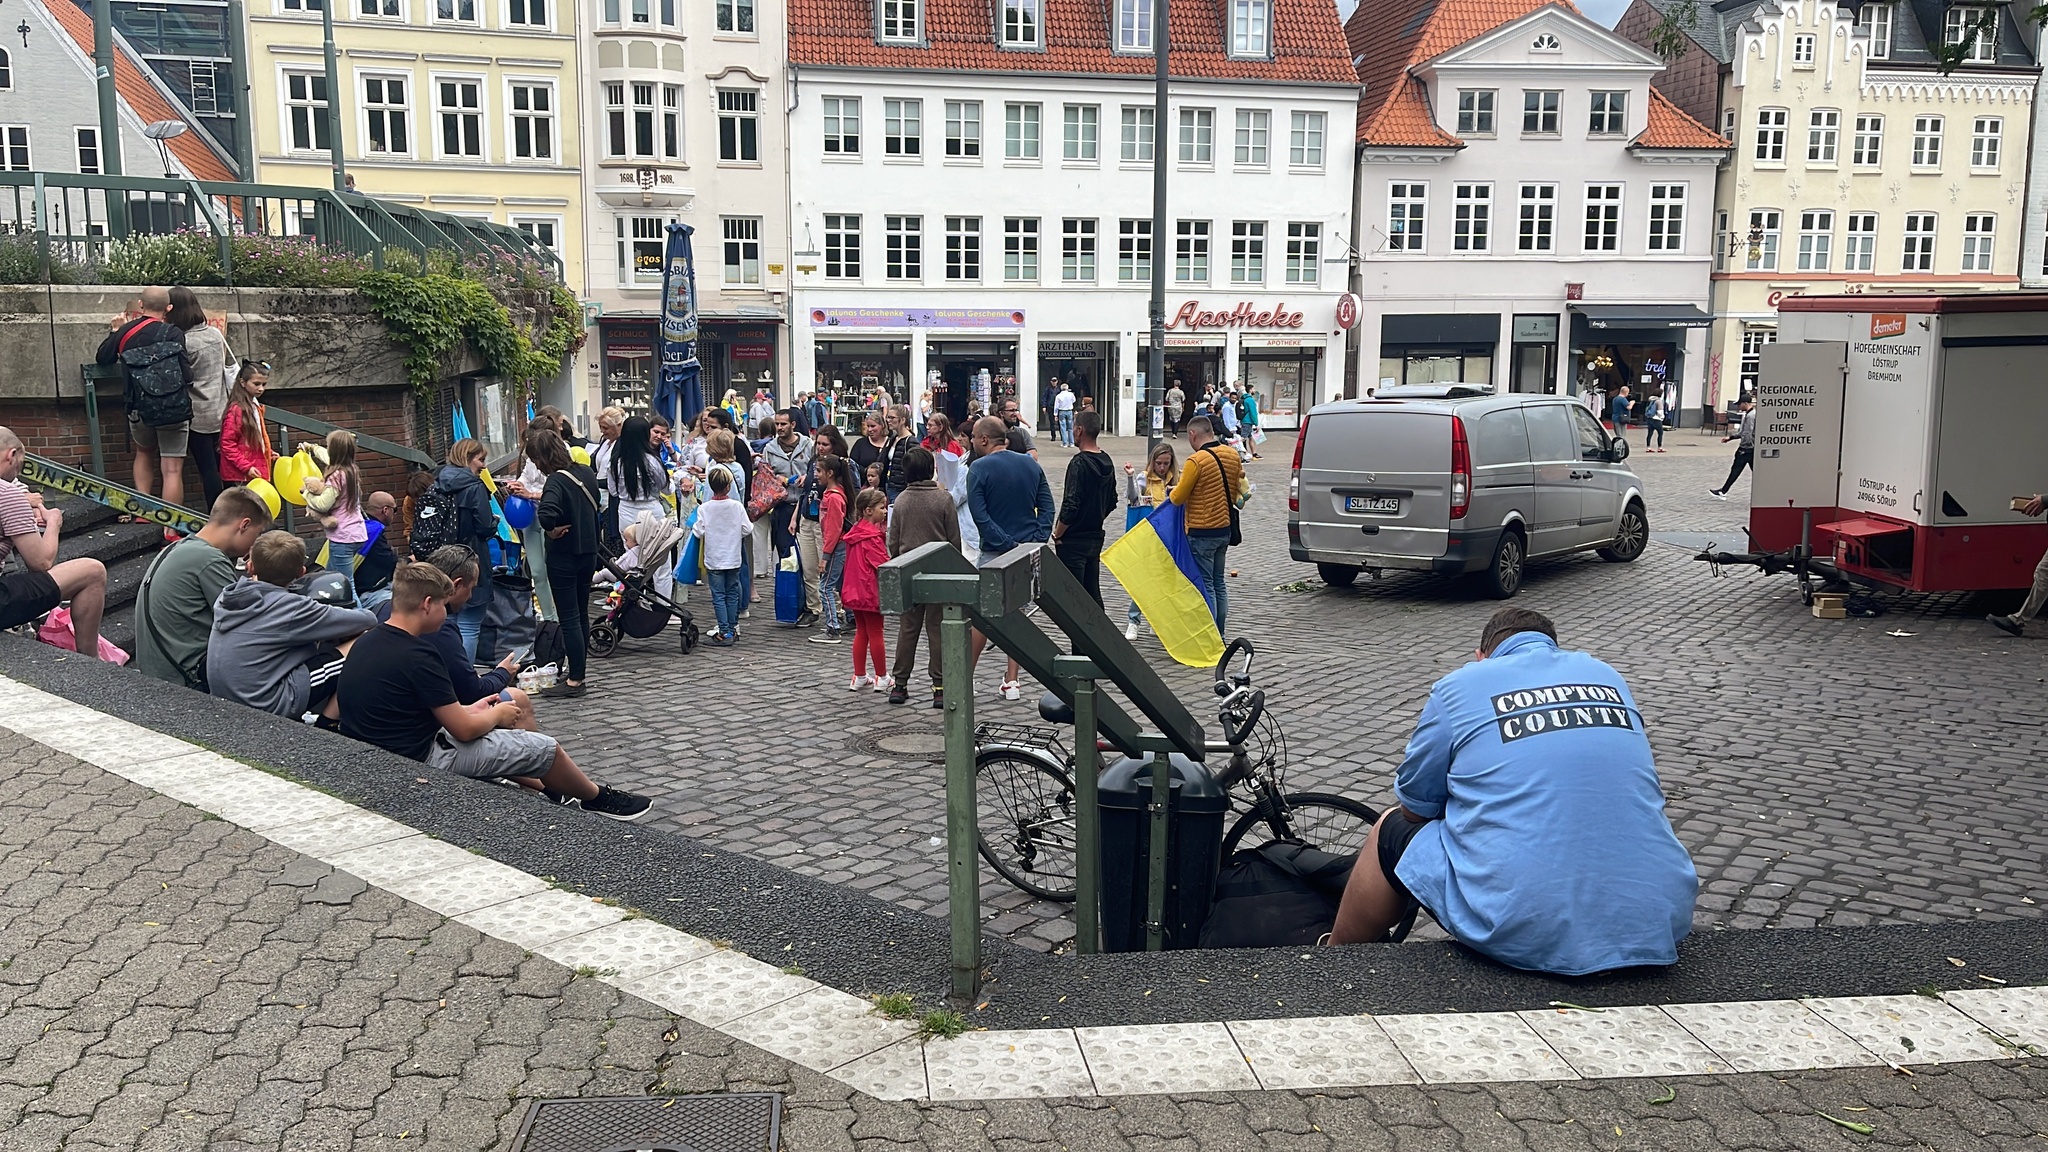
{"x": 1608, "y": 114}
{"x": 1816, "y": 240}
{"x": 1771, "y": 128}
{"x": 1603, "y": 218}
{"x": 86, "y": 138}
{"x": 899, "y": 21}
{"x": 1536, "y": 217}
{"x": 1987, "y": 143}
{"x": 1749, "y": 368}
{"x": 1543, "y": 108}
{"x": 1134, "y": 19}
{"x": 17, "y": 148}
{"x": 1772, "y": 223}
{"x": 842, "y": 257}
{"x": 384, "y": 109}
{"x": 740, "y": 233}
{"x": 1476, "y": 111}
{"x": 1982, "y": 24}
{"x": 903, "y": 248}
{"x": 529, "y": 223}
{"x": 1023, "y": 24}
{"x": 1472, "y": 217}
{"x": 315, "y": 110}
{"x": 1916, "y": 253}
{"x": 481, "y": 113}
{"x": 729, "y": 12}
{"x": 1020, "y": 249}
{"x": 903, "y": 130}
{"x": 1135, "y": 250}
{"x": 1137, "y": 134}
{"x": 1667, "y": 219}
{"x": 1876, "y": 18}
{"x": 1805, "y": 46}
{"x": 1927, "y": 138}
{"x": 745, "y": 109}
{"x": 1080, "y": 250}
{"x": 393, "y": 10}
{"x": 963, "y": 250}
{"x": 1407, "y": 216}
{"x": 1248, "y": 251}
{"x": 1191, "y": 251}
{"x": 1980, "y": 234}
{"x": 552, "y": 118}
{"x": 629, "y": 230}
{"x": 1859, "y": 242}
{"x": 1867, "y": 150}
{"x": 837, "y": 112}
{"x": 1252, "y": 141}
{"x": 1081, "y": 134}
{"x": 963, "y": 131}
{"x": 1196, "y": 144}
{"x": 1304, "y": 253}
{"x": 1307, "y": 132}
{"x": 299, "y": 7}
{"x": 1251, "y": 29}
{"x": 1023, "y": 132}
{"x": 1823, "y": 136}
{"x": 525, "y": 8}
{"x": 462, "y": 13}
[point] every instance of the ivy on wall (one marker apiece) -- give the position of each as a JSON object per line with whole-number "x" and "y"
{"x": 435, "y": 314}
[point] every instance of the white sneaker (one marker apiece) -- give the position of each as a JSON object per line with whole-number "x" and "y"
{"x": 1130, "y": 631}
{"x": 859, "y": 682}
{"x": 884, "y": 683}
{"x": 1717, "y": 495}
{"x": 1010, "y": 690}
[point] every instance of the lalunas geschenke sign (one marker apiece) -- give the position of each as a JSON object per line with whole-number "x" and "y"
{"x": 1245, "y": 315}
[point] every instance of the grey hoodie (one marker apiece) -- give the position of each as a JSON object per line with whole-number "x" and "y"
{"x": 262, "y": 637}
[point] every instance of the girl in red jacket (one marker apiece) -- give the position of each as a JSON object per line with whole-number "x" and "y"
{"x": 860, "y": 590}
{"x": 245, "y": 453}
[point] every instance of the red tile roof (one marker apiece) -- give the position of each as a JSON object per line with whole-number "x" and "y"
{"x": 1670, "y": 127}
{"x": 1308, "y": 41}
{"x": 1388, "y": 38}
{"x": 142, "y": 97}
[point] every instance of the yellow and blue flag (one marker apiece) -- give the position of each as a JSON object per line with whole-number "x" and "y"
{"x": 1154, "y": 564}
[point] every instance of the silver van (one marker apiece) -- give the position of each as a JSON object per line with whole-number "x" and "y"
{"x": 1454, "y": 478}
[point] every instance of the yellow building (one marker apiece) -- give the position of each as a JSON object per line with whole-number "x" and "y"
{"x": 1860, "y": 165}
{"x": 468, "y": 107}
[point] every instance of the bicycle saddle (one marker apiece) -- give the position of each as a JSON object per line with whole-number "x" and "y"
{"x": 1054, "y": 710}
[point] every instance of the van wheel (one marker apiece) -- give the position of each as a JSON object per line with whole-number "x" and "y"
{"x": 1337, "y": 575}
{"x": 1633, "y": 537}
{"x": 1503, "y": 577}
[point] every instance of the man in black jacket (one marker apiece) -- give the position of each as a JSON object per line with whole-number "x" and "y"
{"x": 157, "y": 450}
{"x": 1086, "y": 499}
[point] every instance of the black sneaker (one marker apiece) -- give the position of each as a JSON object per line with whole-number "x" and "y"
{"x": 828, "y": 636}
{"x": 618, "y": 805}
{"x": 899, "y": 695}
{"x": 806, "y": 619}
{"x": 554, "y": 797}
{"x": 938, "y": 697}
{"x": 2007, "y": 624}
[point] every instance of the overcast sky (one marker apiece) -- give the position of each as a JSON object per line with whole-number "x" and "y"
{"x": 1605, "y": 12}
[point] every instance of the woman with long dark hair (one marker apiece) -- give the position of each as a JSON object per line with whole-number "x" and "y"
{"x": 635, "y": 477}
{"x": 568, "y": 514}
{"x": 209, "y": 351}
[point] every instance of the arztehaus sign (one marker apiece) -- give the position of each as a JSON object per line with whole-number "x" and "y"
{"x": 1245, "y": 315}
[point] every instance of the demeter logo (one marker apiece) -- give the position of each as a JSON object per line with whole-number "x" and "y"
{"x": 1887, "y": 324}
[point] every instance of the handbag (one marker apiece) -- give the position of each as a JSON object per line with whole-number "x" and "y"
{"x": 691, "y": 564}
{"x": 1236, "y": 527}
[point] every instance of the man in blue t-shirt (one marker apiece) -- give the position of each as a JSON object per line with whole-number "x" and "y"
{"x": 1530, "y": 824}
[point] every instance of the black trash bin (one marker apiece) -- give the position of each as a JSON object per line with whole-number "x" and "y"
{"x": 1195, "y": 819}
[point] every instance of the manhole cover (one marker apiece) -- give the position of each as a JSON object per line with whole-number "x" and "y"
{"x": 733, "y": 1122}
{"x": 918, "y": 743}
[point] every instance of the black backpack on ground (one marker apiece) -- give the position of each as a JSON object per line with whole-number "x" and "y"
{"x": 548, "y": 646}
{"x": 437, "y": 521}
{"x": 1281, "y": 893}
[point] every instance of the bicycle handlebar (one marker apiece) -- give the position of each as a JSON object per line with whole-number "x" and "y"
{"x": 1225, "y": 680}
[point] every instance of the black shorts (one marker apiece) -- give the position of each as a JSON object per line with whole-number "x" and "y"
{"x": 1395, "y": 833}
{"x": 26, "y": 596}
{"x": 323, "y": 675}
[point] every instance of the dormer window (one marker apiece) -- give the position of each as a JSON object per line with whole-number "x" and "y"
{"x": 899, "y": 21}
{"x": 1547, "y": 42}
{"x": 1975, "y": 30}
{"x": 1022, "y": 27}
{"x": 1251, "y": 29}
{"x": 1876, "y": 18}
{"x": 1134, "y": 25}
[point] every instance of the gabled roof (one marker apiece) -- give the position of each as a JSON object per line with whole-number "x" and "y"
{"x": 1388, "y": 38}
{"x": 960, "y": 35}
{"x": 1916, "y": 24}
{"x": 142, "y": 97}
{"x": 1670, "y": 127}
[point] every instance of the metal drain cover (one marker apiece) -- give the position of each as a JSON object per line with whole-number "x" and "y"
{"x": 728, "y": 1122}
{"x": 918, "y": 743}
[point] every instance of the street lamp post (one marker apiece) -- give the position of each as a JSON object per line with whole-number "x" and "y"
{"x": 333, "y": 97}
{"x": 103, "y": 68}
{"x": 1155, "y": 357}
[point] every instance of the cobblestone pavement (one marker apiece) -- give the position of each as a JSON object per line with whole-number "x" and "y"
{"x": 168, "y": 981}
{"x": 1820, "y": 771}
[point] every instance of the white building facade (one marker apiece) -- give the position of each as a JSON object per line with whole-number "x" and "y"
{"x": 973, "y": 219}
{"x": 1531, "y": 214}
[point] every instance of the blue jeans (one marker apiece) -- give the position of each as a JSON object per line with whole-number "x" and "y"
{"x": 1066, "y": 420}
{"x": 725, "y": 597}
{"x": 828, "y": 589}
{"x": 470, "y": 623}
{"x": 342, "y": 558}
{"x": 1209, "y": 559}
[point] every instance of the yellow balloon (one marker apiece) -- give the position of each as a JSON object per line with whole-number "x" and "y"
{"x": 268, "y": 492}
{"x": 580, "y": 455}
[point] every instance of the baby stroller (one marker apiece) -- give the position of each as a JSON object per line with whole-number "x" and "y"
{"x": 634, "y": 607}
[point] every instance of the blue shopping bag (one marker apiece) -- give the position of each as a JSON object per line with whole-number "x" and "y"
{"x": 789, "y": 588}
{"x": 690, "y": 567}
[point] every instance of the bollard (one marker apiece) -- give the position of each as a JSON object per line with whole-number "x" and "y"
{"x": 1162, "y": 825}
{"x": 963, "y": 871}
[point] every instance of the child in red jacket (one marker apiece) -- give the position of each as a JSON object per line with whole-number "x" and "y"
{"x": 860, "y": 590}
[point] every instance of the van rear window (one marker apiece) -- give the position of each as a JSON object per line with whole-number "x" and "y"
{"x": 1379, "y": 441}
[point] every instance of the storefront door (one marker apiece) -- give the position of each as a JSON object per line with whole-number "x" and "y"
{"x": 1084, "y": 366}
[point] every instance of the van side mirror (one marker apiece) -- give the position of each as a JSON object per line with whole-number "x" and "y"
{"x": 1617, "y": 450}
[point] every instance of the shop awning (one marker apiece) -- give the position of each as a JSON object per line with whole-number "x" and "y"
{"x": 1642, "y": 315}
{"x": 1443, "y": 328}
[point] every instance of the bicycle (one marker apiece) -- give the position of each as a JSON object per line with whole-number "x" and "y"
{"x": 1025, "y": 789}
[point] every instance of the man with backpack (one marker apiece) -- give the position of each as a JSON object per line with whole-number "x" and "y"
{"x": 816, "y": 415}
{"x": 156, "y": 371}
{"x": 1087, "y": 498}
{"x": 788, "y": 453}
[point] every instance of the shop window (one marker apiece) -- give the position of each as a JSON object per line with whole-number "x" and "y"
{"x": 1754, "y": 341}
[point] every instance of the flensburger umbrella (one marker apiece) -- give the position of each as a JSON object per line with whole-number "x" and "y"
{"x": 677, "y": 392}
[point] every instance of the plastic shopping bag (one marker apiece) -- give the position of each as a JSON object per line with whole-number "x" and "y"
{"x": 56, "y": 632}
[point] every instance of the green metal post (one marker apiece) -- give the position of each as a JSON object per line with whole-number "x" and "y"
{"x": 1155, "y": 896}
{"x": 103, "y": 69}
{"x": 1087, "y": 810}
{"x": 963, "y": 872}
{"x": 92, "y": 423}
{"x": 238, "y": 80}
{"x": 333, "y": 96}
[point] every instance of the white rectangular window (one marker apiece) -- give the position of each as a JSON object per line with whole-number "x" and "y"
{"x": 455, "y": 11}
{"x": 1407, "y": 213}
{"x": 903, "y": 240}
{"x": 739, "y": 125}
{"x": 672, "y": 121}
{"x": 1020, "y": 249}
{"x": 1475, "y": 112}
{"x": 1082, "y": 125}
{"x": 1754, "y": 341}
{"x": 1803, "y": 49}
{"x": 899, "y": 20}
{"x": 1823, "y": 132}
{"x": 305, "y": 107}
{"x": 1978, "y": 233}
{"x": 629, "y": 128}
{"x": 1876, "y": 18}
{"x": 1021, "y": 24}
{"x": 1987, "y": 136}
{"x": 1254, "y": 126}
{"x": 1540, "y": 113}
{"x": 963, "y": 248}
{"x": 1198, "y": 135}
{"x": 387, "y": 115}
{"x": 1917, "y": 254}
{"x": 459, "y": 111}
{"x": 1248, "y": 252}
{"x": 842, "y": 245}
{"x": 1077, "y": 251}
{"x": 1859, "y": 242}
{"x": 1603, "y": 217}
{"x": 735, "y": 16}
{"x": 1305, "y": 140}
{"x": 963, "y": 129}
{"x": 545, "y": 230}
{"x": 1765, "y": 225}
{"x": 1770, "y": 134}
{"x": 1251, "y": 28}
{"x": 1134, "y": 25}
{"x": 902, "y": 127}
{"x": 1609, "y": 115}
{"x": 1926, "y": 141}
{"x": 1869, "y": 144}
{"x": 641, "y": 242}
{"x": 842, "y": 125}
{"x": 1538, "y": 219}
{"x": 1722, "y": 240}
{"x": 1304, "y": 253}
{"x": 1667, "y": 218}
{"x": 1020, "y": 131}
{"x": 379, "y": 9}
{"x": 88, "y": 151}
{"x": 1472, "y": 218}
{"x": 1137, "y": 135}
{"x": 14, "y": 149}
{"x": 528, "y": 14}
{"x": 1816, "y": 240}
{"x": 533, "y": 121}
{"x": 1974, "y": 30}
{"x": 742, "y": 250}
{"x": 1191, "y": 252}
{"x": 1134, "y": 251}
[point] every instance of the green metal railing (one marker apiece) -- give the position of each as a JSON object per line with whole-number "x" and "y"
{"x": 74, "y": 221}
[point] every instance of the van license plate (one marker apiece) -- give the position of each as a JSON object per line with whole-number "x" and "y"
{"x": 1389, "y": 505}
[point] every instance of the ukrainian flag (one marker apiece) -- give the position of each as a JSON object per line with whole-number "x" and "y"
{"x": 1155, "y": 566}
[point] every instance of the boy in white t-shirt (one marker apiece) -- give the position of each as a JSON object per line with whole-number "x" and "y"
{"x": 723, "y": 525}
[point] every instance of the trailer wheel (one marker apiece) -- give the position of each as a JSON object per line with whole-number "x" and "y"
{"x": 1631, "y": 538}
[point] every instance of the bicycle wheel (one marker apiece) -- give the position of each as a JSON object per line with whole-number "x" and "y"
{"x": 1024, "y": 823}
{"x": 1336, "y": 824}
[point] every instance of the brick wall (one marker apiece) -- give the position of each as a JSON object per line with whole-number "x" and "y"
{"x": 1693, "y": 81}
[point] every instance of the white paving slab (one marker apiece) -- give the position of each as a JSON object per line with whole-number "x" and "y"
{"x": 1133, "y": 1059}
{"x": 106, "y": 741}
{"x": 1008, "y": 1064}
{"x": 477, "y": 884}
{"x": 1469, "y": 1047}
{"x": 198, "y": 764}
{"x": 394, "y": 860}
{"x": 1321, "y": 1052}
{"x": 1624, "y": 1042}
{"x": 1770, "y": 1036}
{"x": 255, "y": 800}
{"x": 542, "y": 918}
{"x": 330, "y": 836}
{"x": 1909, "y": 1029}
{"x": 2018, "y": 1014}
{"x": 719, "y": 987}
{"x": 631, "y": 950}
{"x": 820, "y": 1029}
{"x": 894, "y": 1073}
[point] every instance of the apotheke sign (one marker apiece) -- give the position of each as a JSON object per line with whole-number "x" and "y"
{"x": 1244, "y": 315}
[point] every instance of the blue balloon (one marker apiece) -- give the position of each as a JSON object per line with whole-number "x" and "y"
{"x": 519, "y": 512}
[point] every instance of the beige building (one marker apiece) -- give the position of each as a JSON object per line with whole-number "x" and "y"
{"x": 1858, "y": 164}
